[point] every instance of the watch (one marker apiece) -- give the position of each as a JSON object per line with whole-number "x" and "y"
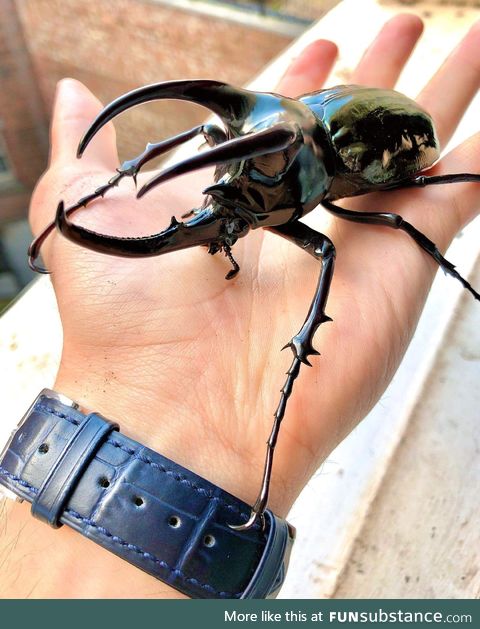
{"x": 79, "y": 470}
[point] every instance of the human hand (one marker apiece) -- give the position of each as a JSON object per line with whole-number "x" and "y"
{"x": 179, "y": 356}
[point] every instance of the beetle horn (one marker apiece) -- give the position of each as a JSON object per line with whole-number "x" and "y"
{"x": 276, "y": 138}
{"x": 229, "y": 103}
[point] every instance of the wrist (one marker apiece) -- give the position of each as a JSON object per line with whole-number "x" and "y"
{"x": 42, "y": 563}
{"x": 59, "y": 459}
{"x": 184, "y": 434}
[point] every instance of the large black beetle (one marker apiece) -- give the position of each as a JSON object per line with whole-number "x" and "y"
{"x": 276, "y": 159}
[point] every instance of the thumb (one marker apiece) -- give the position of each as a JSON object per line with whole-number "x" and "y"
{"x": 74, "y": 110}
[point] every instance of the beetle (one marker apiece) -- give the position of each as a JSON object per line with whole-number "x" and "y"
{"x": 277, "y": 159}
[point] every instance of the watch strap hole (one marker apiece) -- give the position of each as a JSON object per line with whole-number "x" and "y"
{"x": 174, "y": 521}
{"x": 104, "y": 482}
{"x": 209, "y": 541}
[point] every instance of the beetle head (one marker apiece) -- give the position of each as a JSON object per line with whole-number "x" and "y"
{"x": 264, "y": 132}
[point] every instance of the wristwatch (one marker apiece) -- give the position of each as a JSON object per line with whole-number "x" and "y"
{"x": 78, "y": 469}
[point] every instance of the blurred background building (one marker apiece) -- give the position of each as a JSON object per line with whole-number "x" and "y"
{"x": 114, "y": 46}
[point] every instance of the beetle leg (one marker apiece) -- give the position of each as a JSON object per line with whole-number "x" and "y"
{"x": 130, "y": 168}
{"x": 423, "y": 180}
{"x": 321, "y": 248}
{"x": 258, "y": 143}
{"x": 397, "y": 222}
{"x": 203, "y": 229}
{"x": 212, "y": 134}
{"x": 236, "y": 268}
{"x": 36, "y": 244}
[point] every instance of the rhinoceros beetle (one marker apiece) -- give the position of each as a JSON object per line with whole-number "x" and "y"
{"x": 276, "y": 159}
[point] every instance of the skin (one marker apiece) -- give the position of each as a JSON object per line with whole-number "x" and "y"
{"x": 188, "y": 363}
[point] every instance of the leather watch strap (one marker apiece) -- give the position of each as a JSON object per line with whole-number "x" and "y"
{"x": 81, "y": 471}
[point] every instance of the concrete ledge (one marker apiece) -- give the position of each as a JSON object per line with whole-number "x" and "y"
{"x": 285, "y": 25}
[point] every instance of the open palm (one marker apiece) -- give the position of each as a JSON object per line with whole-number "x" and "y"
{"x": 190, "y": 363}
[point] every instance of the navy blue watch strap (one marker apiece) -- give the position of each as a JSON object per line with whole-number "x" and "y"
{"x": 60, "y": 482}
{"x": 81, "y": 471}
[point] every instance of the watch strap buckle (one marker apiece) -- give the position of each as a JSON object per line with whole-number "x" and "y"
{"x": 272, "y": 567}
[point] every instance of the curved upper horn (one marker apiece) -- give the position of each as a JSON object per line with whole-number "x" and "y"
{"x": 231, "y": 104}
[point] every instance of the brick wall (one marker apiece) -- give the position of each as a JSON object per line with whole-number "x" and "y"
{"x": 23, "y": 121}
{"x": 115, "y": 45}
{"x": 112, "y": 46}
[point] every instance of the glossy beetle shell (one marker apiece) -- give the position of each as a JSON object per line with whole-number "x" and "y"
{"x": 364, "y": 139}
{"x": 378, "y": 137}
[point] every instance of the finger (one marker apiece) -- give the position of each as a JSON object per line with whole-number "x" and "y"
{"x": 75, "y": 108}
{"x": 383, "y": 61}
{"x": 449, "y": 92}
{"x": 309, "y": 71}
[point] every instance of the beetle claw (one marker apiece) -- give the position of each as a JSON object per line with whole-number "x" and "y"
{"x": 254, "y": 515}
{"x": 33, "y": 252}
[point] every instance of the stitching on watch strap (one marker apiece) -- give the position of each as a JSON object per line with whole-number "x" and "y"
{"x": 138, "y": 456}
